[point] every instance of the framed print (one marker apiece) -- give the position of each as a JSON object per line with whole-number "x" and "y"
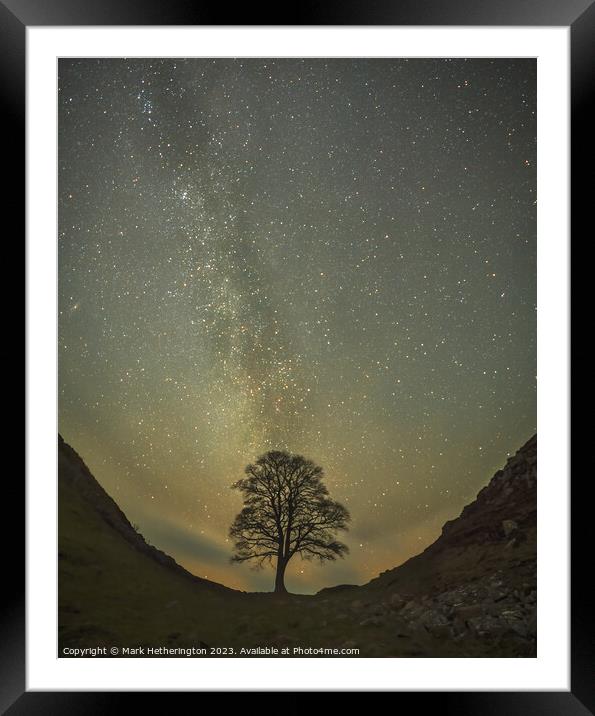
{"x": 297, "y": 308}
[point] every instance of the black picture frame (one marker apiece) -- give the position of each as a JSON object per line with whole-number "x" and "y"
{"x": 579, "y": 16}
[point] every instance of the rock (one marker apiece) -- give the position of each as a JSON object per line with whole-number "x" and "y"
{"x": 516, "y": 622}
{"x": 432, "y": 619}
{"x": 469, "y": 611}
{"x": 459, "y": 628}
{"x": 486, "y": 625}
{"x": 511, "y": 614}
{"x": 509, "y": 526}
{"x": 412, "y": 607}
{"x": 396, "y": 602}
{"x": 441, "y": 631}
{"x": 372, "y": 621}
{"x": 453, "y": 598}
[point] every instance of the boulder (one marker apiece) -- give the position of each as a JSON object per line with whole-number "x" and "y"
{"x": 441, "y": 631}
{"x": 372, "y": 621}
{"x": 396, "y": 602}
{"x": 469, "y": 611}
{"x": 509, "y": 526}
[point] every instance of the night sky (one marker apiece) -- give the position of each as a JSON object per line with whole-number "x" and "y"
{"x": 334, "y": 257}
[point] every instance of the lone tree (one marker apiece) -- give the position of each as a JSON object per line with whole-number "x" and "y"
{"x": 287, "y": 511}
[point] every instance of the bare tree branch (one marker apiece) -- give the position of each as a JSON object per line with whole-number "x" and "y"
{"x": 287, "y": 511}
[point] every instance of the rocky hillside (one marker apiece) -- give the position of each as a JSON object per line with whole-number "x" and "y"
{"x": 476, "y": 584}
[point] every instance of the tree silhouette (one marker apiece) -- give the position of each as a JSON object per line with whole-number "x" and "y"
{"x": 287, "y": 511}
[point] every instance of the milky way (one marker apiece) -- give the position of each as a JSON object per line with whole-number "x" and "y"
{"x": 336, "y": 257}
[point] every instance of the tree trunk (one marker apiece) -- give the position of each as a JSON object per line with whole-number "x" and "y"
{"x": 280, "y": 576}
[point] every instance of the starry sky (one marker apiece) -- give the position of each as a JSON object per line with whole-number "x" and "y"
{"x": 336, "y": 257}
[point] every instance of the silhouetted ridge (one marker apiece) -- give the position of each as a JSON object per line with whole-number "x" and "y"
{"x": 503, "y": 514}
{"x": 509, "y": 497}
{"x": 73, "y": 471}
